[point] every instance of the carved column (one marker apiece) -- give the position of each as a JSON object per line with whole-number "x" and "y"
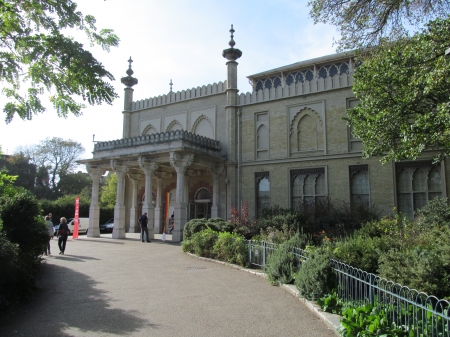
{"x": 94, "y": 209}
{"x": 159, "y": 214}
{"x": 119, "y": 208}
{"x": 180, "y": 162}
{"x": 148, "y": 167}
{"x": 216, "y": 172}
{"x": 134, "y": 216}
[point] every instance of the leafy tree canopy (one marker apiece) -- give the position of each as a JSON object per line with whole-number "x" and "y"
{"x": 109, "y": 191}
{"x": 364, "y": 23}
{"x": 55, "y": 155}
{"x": 36, "y": 53}
{"x": 404, "y": 92}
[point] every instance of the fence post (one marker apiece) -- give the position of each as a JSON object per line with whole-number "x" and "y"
{"x": 264, "y": 255}
{"x": 371, "y": 292}
{"x": 250, "y": 252}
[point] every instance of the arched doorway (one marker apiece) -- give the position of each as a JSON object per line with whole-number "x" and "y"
{"x": 201, "y": 207}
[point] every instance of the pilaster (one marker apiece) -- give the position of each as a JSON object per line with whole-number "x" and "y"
{"x": 216, "y": 172}
{"x": 134, "y": 216}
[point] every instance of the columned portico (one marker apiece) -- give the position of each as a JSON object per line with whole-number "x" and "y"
{"x": 180, "y": 162}
{"x": 94, "y": 209}
{"x": 119, "y": 208}
{"x": 148, "y": 167}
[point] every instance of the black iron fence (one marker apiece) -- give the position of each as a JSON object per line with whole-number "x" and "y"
{"x": 420, "y": 314}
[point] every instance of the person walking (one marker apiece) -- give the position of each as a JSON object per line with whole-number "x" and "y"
{"x": 51, "y": 233}
{"x": 63, "y": 233}
{"x": 143, "y": 220}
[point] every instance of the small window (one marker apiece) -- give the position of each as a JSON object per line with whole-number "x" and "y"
{"x": 354, "y": 144}
{"x": 359, "y": 185}
{"x": 262, "y": 192}
{"x": 308, "y": 186}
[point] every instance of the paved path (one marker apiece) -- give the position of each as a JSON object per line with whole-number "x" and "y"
{"x": 105, "y": 287}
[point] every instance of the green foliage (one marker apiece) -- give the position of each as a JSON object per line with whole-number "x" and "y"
{"x": 332, "y": 303}
{"x": 196, "y": 225}
{"x": 315, "y": 277}
{"x": 425, "y": 266}
{"x": 364, "y": 23}
{"x": 231, "y": 248}
{"x": 23, "y": 224}
{"x": 203, "y": 242}
{"x": 282, "y": 265}
{"x": 368, "y": 320}
{"x": 18, "y": 165}
{"x": 361, "y": 251}
{"x": 108, "y": 191}
{"x": 435, "y": 213}
{"x": 403, "y": 90}
{"x": 35, "y": 51}
{"x": 65, "y": 207}
{"x": 74, "y": 184}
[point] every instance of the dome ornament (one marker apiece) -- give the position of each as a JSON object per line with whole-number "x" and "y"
{"x": 232, "y": 54}
{"x": 170, "y": 85}
{"x": 129, "y": 81}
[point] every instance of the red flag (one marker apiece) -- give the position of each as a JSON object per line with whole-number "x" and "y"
{"x": 76, "y": 219}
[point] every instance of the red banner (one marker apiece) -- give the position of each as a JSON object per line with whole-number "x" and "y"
{"x": 76, "y": 218}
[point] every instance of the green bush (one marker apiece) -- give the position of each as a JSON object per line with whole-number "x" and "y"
{"x": 425, "y": 267}
{"x": 361, "y": 251}
{"x": 188, "y": 246}
{"x": 435, "y": 213}
{"x": 9, "y": 272}
{"x": 65, "y": 207}
{"x": 203, "y": 242}
{"x": 231, "y": 248}
{"x": 315, "y": 277}
{"x": 23, "y": 224}
{"x": 197, "y": 225}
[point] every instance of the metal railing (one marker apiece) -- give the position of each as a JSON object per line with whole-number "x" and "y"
{"x": 420, "y": 314}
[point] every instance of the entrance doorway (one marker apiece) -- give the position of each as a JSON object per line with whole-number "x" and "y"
{"x": 201, "y": 207}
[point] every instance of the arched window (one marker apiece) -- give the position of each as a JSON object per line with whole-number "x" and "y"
{"x": 359, "y": 185}
{"x": 262, "y": 192}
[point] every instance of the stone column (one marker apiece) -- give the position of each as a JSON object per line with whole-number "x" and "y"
{"x": 148, "y": 167}
{"x": 94, "y": 209}
{"x": 186, "y": 194}
{"x": 159, "y": 214}
{"x": 119, "y": 208}
{"x": 216, "y": 172}
{"x": 180, "y": 162}
{"x": 134, "y": 216}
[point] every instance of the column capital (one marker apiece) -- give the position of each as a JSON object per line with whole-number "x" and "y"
{"x": 180, "y": 162}
{"x": 94, "y": 171}
{"x": 118, "y": 166}
{"x": 147, "y": 164}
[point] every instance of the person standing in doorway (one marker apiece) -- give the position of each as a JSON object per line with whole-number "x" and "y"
{"x": 144, "y": 227}
{"x": 63, "y": 233}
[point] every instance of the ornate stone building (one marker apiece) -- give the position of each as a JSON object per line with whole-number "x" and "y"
{"x": 285, "y": 143}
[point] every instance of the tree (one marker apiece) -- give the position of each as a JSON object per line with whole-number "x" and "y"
{"x": 18, "y": 165}
{"x": 364, "y": 23}
{"x": 57, "y": 156}
{"x": 109, "y": 191}
{"x": 74, "y": 183}
{"x": 404, "y": 92}
{"x": 35, "y": 50}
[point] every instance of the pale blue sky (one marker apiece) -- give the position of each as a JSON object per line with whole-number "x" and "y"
{"x": 182, "y": 41}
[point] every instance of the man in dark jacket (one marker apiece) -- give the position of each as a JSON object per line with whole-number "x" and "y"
{"x": 63, "y": 232}
{"x": 143, "y": 220}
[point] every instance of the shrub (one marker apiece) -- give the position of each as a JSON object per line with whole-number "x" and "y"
{"x": 315, "y": 277}
{"x": 425, "y": 267}
{"x": 203, "y": 242}
{"x": 197, "y": 225}
{"x": 361, "y": 251}
{"x": 187, "y": 246}
{"x": 435, "y": 213}
{"x": 282, "y": 265}
{"x": 231, "y": 247}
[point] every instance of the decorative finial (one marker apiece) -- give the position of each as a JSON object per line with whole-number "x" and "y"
{"x": 130, "y": 71}
{"x": 232, "y": 43}
{"x": 129, "y": 81}
{"x": 170, "y": 85}
{"x": 232, "y": 54}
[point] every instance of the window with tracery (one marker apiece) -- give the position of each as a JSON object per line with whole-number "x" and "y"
{"x": 308, "y": 186}
{"x": 262, "y": 135}
{"x": 417, "y": 183}
{"x": 359, "y": 185}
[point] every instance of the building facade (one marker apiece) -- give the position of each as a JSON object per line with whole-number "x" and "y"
{"x": 197, "y": 152}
